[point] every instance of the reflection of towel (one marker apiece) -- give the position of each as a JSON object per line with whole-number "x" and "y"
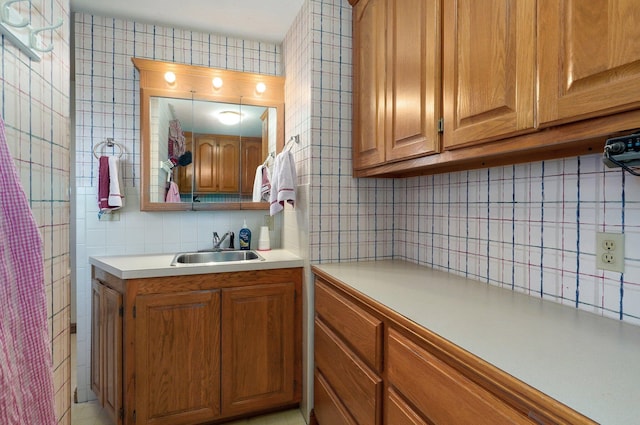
{"x": 176, "y": 139}
{"x": 103, "y": 183}
{"x": 283, "y": 182}
{"x": 26, "y": 373}
{"x": 173, "y": 194}
{"x": 116, "y": 199}
{"x": 261, "y": 184}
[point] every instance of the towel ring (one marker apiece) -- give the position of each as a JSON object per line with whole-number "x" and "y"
{"x": 109, "y": 143}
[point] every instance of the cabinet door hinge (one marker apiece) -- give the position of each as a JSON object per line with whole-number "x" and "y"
{"x": 121, "y": 311}
{"x": 121, "y": 413}
{"x": 134, "y": 416}
{"x": 134, "y": 311}
{"x": 441, "y": 125}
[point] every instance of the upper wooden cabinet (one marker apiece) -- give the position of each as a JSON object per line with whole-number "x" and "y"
{"x": 396, "y": 84}
{"x": 521, "y": 80}
{"x": 589, "y": 58}
{"x": 489, "y": 69}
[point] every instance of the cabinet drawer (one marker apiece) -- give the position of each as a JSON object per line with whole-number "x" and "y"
{"x": 359, "y": 329}
{"x": 440, "y": 392}
{"x": 359, "y": 388}
{"x": 399, "y": 412}
{"x": 327, "y": 407}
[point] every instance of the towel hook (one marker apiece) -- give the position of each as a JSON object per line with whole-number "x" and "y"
{"x": 34, "y": 36}
{"x": 109, "y": 143}
{"x": 5, "y": 14}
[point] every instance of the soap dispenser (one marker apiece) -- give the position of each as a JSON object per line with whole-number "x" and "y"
{"x": 245, "y": 236}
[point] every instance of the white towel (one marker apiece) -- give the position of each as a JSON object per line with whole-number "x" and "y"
{"x": 257, "y": 184}
{"x": 283, "y": 182}
{"x": 116, "y": 198}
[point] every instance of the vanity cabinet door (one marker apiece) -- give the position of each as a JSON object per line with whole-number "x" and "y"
{"x": 258, "y": 348}
{"x": 177, "y": 358}
{"x": 106, "y": 349}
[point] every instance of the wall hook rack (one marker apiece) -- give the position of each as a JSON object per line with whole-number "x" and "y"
{"x": 18, "y": 30}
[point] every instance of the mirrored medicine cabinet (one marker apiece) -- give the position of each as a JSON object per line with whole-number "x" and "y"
{"x": 205, "y": 130}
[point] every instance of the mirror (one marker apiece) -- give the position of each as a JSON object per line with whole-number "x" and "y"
{"x": 185, "y": 142}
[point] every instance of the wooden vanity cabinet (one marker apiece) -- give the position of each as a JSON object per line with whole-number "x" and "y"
{"x": 374, "y": 366}
{"x": 201, "y": 348}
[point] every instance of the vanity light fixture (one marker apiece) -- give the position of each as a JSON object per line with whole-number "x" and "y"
{"x": 229, "y": 117}
{"x": 170, "y": 77}
{"x": 217, "y": 83}
{"x": 261, "y": 88}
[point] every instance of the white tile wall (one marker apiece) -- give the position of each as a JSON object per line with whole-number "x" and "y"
{"x": 34, "y": 105}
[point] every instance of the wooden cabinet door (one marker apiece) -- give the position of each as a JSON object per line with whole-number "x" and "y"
{"x": 413, "y": 78}
{"x": 206, "y": 166}
{"x": 112, "y": 349}
{"x": 258, "y": 352}
{"x": 589, "y": 58}
{"x": 228, "y": 164}
{"x": 250, "y": 157}
{"x": 97, "y": 355}
{"x": 106, "y": 349}
{"x": 177, "y": 358}
{"x": 369, "y": 53}
{"x": 488, "y": 69}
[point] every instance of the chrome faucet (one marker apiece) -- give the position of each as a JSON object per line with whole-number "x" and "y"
{"x": 217, "y": 240}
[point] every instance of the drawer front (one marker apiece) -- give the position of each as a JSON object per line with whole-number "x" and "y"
{"x": 399, "y": 412}
{"x": 355, "y": 385}
{"x": 361, "y": 331}
{"x": 327, "y": 407}
{"x": 441, "y": 393}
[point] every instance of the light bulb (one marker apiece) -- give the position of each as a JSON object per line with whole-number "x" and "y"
{"x": 229, "y": 117}
{"x": 170, "y": 77}
{"x": 217, "y": 83}
{"x": 260, "y": 88}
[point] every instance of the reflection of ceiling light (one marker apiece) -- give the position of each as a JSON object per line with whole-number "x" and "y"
{"x": 260, "y": 88}
{"x": 217, "y": 82}
{"x": 229, "y": 117}
{"x": 170, "y": 77}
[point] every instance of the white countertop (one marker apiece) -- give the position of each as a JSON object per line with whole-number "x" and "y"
{"x": 588, "y": 362}
{"x": 158, "y": 265}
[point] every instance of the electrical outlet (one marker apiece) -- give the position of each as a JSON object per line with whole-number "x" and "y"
{"x": 610, "y": 251}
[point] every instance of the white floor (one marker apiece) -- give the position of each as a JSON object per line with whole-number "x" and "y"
{"x": 91, "y": 413}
